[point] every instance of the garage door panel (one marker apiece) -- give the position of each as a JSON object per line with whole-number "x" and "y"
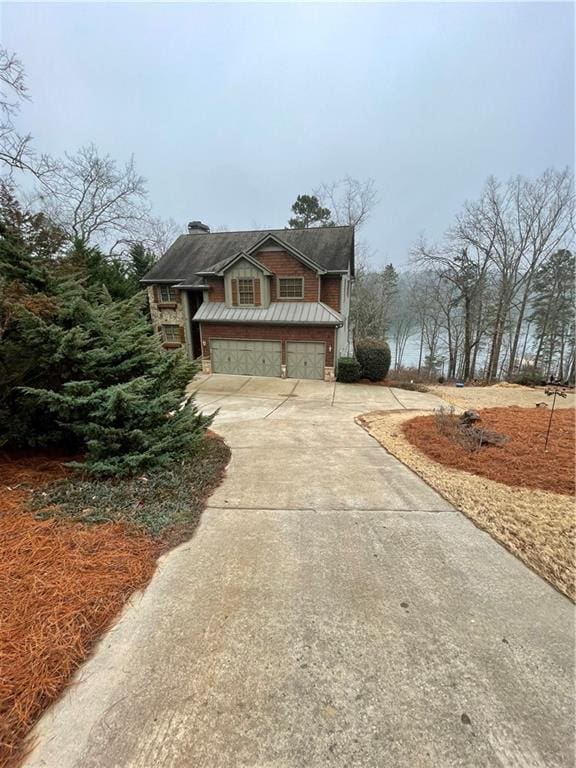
{"x": 305, "y": 359}
{"x": 250, "y": 358}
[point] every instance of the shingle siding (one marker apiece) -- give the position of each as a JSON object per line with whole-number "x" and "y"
{"x": 330, "y": 291}
{"x": 216, "y": 289}
{"x": 285, "y": 265}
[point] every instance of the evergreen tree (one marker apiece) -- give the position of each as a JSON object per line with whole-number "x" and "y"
{"x": 129, "y": 409}
{"x": 29, "y": 251}
{"x": 309, "y": 213}
{"x": 553, "y": 314}
{"x": 80, "y": 369}
{"x": 141, "y": 261}
{"x": 389, "y": 290}
{"x": 97, "y": 270}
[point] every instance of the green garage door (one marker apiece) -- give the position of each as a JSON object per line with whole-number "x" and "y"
{"x": 251, "y": 358}
{"x": 305, "y": 360}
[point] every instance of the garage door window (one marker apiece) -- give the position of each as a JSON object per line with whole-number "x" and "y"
{"x": 291, "y": 287}
{"x": 245, "y": 291}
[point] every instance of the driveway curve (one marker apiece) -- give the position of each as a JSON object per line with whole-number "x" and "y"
{"x": 331, "y": 609}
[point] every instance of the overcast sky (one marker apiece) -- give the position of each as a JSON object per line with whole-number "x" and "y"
{"x": 233, "y": 110}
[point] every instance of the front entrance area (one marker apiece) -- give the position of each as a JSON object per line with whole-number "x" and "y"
{"x": 252, "y": 358}
{"x": 305, "y": 359}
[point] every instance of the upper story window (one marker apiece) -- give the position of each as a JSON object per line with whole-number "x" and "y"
{"x": 245, "y": 290}
{"x": 290, "y": 287}
{"x": 167, "y": 294}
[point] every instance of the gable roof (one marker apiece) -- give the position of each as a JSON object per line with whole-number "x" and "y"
{"x": 276, "y": 241}
{"x": 331, "y": 248}
{"x": 223, "y": 266}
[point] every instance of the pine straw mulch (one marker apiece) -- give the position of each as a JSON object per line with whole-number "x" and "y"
{"x": 521, "y": 461}
{"x": 538, "y": 526}
{"x": 500, "y": 395}
{"x": 61, "y": 585}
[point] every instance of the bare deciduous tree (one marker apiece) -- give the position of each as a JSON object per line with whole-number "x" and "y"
{"x": 155, "y": 234}
{"x": 350, "y": 201}
{"x": 491, "y": 257}
{"x": 16, "y": 151}
{"x": 516, "y": 226}
{"x": 94, "y": 200}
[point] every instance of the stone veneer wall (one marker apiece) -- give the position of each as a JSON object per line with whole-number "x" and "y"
{"x": 165, "y": 315}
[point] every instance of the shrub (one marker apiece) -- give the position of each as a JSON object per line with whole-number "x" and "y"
{"x": 446, "y": 420}
{"x": 462, "y": 430}
{"x": 411, "y": 373}
{"x": 374, "y": 357}
{"x": 349, "y": 369}
{"x": 411, "y": 386}
{"x": 529, "y": 379}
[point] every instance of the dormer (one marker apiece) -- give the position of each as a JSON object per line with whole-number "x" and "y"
{"x": 246, "y": 281}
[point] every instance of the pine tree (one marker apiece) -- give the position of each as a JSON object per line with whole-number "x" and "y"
{"x": 309, "y": 213}
{"x": 141, "y": 261}
{"x": 553, "y": 314}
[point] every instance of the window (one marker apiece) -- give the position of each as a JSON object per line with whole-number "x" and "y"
{"x": 171, "y": 334}
{"x": 167, "y": 294}
{"x": 245, "y": 291}
{"x": 290, "y": 287}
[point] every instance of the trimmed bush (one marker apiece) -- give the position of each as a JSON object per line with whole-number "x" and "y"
{"x": 349, "y": 369}
{"x": 374, "y": 357}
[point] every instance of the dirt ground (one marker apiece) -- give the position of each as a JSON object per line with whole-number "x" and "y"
{"x": 539, "y": 527}
{"x": 61, "y": 585}
{"x": 499, "y": 395}
{"x": 521, "y": 461}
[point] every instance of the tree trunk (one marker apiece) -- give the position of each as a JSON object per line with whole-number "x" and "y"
{"x": 523, "y": 356}
{"x": 467, "y": 338}
{"x": 494, "y": 356}
{"x": 519, "y": 322}
{"x": 421, "y": 348}
{"x": 572, "y": 368}
{"x": 473, "y": 361}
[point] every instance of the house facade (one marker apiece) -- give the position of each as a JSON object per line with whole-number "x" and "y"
{"x": 261, "y": 303}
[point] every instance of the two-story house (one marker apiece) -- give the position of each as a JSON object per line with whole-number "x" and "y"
{"x": 262, "y": 303}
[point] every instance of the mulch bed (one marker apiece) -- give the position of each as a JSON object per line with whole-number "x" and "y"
{"x": 72, "y": 552}
{"x": 537, "y": 526}
{"x": 522, "y": 461}
{"x": 61, "y": 585}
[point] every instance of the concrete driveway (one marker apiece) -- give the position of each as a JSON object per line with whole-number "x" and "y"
{"x": 330, "y": 610}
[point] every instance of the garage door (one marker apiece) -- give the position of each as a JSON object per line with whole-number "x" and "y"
{"x": 251, "y": 358}
{"x": 305, "y": 360}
